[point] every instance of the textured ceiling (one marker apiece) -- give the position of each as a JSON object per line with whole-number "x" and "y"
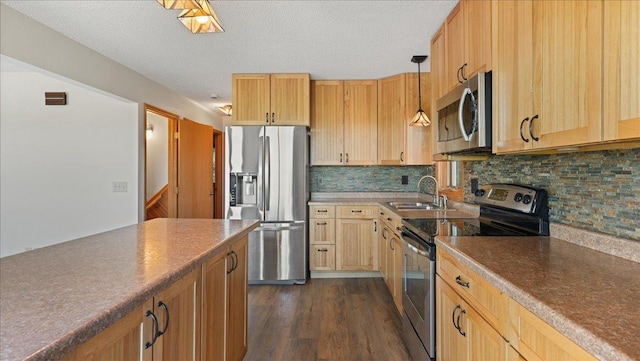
{"x": 328, "y": 39}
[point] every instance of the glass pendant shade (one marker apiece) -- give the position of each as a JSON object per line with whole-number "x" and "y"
{"x": 180, "y": 4}
{"x": 420, "y": 119}
{"x": 201, "y": 20}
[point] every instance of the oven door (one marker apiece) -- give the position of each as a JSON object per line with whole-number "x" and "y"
{"x": 418, "y": 289}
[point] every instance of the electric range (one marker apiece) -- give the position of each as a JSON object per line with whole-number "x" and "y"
{"x": 505, "y": 210}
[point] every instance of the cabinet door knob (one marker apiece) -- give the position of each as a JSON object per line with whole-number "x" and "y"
{"x": 531, "y": 128}
{"x": 521, "y": 124}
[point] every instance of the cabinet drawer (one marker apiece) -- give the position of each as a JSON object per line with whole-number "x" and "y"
{"x": 535, "y": 339}
{"x": 322, "y": 211}
{"x": 484, "y": 297}
{"x": 361, "y": 212}
{"x": 322, "y": 231}
{"x": 322, "y": 257}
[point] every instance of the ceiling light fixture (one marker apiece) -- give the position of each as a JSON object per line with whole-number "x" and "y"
{"x": 201, "y": 20}
{"x": 420, "y": 119}
{"x": 227, "y": 109}
{"x": 179, "y": 4}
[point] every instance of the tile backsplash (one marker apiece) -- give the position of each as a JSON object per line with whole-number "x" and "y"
{"x": 367, "y": 179}
{"x": 597, "y": 191}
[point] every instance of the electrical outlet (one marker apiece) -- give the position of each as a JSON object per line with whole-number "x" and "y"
{"x": 405, "y": 179}
{"x": 320, "y": 180}
{"x": 474, "y": 185}
{"x": 119, "y": 187}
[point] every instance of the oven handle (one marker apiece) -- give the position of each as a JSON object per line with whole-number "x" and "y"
{"x": 414, "y": 249}
{"x": 417, "y": 251}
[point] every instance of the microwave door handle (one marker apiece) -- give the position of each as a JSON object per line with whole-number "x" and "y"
{"x": 465, "y": 92}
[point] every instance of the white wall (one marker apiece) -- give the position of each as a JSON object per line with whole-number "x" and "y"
{"x": 157, "y": 155}
{"x": 28, "y": 41}
{"x": 57, "y": 163}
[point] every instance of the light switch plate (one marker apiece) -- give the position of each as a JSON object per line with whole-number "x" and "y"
{"x": 119, "y": 187}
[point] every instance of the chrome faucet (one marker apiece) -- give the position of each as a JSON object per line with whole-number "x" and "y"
{"x": 436, "y": 198}
{"x": 444, "y": 201}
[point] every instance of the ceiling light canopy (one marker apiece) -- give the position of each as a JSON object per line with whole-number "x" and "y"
{"x": 420, "y": 119}
{"x": 179, "y": 4}
{"x": 201, "y": 20}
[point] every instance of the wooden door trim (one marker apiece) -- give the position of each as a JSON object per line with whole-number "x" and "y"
{"x": 218, "y": 211}
{"x": 172, "y": 124}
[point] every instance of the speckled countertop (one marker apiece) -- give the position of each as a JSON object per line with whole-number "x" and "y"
{"x": 457, "y": 210}
{"x": 52, "y": 299}
{"x": 589, "y": 296}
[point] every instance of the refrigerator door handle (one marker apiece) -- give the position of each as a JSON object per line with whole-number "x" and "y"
{"x": 267, "y": 172}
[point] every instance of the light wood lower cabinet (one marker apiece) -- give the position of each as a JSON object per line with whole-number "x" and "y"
{"x": 224, "y": 335}
{"x": 391, "y": 257}
{"x": 322, "y": 238}
{"x": 355, "y": 249}
{"x": 462, "y": 334}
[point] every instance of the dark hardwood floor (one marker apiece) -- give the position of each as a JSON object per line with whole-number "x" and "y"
{"x": 326, "y": 319}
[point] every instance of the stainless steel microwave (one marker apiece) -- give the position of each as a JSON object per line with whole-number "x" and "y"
{"x": 464, "y": 117}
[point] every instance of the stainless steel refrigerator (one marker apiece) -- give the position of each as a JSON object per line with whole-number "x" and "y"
{"x": 266, "y": 178}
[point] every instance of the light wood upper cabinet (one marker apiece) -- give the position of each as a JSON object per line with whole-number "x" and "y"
{"x": 438, "y": 68}
{"x": 455, "y": 46}
{"x": 547, "y": 74}
{"x": 621, "y": 70}
{"x": 344, "y": 122}
{"x": 327, "y": 122}
{"x": 271, "y": 99}
{"x": 399, "y": 143}
{"x": 467, "y": 42}
{"x": 360, "y": 122}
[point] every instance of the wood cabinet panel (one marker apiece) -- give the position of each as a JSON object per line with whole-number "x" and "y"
{"x": 570, "y": 67}
{"x": 621, "y": 88}
{"x": 398, "y": 264}
{"x": 322, "y": 211}
{"x": 214, "y": 310}
{"x": 361, "y": 212}
{"x": 181, "y": 316}
{"x": 120, "y": 341}
{"x": 438, "y": 67}
{"x": 290, "y": 99}
{"x": 360, "y": 122}
{"x": 383, "y": 247}
{"x": 355, "y": 246}
{"x": 450, "y": 344}
{"x": 327, "y": 122}
{"x": 322, "y": 231}
{"x": 534, "y": 339}
{"x": 512, "y": 74}
{"x": 478, "y": 42}
{"x": 251, "y": 98}
{"x": 323, "y": 257}
{"x": 455, "y": 46}
{"x": 237, "y": 303}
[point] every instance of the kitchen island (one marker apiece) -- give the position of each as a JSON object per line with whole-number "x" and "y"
{"x": 54, "y": 299}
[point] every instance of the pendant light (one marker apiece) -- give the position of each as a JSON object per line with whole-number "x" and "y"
{"x": 201, "y": 20}
{"x": 420, "y": 119}
{"x": 179, "y": 4}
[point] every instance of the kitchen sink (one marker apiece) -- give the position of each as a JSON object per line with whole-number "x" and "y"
{"x": 424, "y": 206}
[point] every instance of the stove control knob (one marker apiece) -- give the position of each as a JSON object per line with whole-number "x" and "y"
{"x": 518, "y": 197}
{"x": 526, "y": 199}
{"x": 479, "y": 192}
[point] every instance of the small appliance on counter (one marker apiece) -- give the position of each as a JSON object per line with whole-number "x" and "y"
{"x": 505, "y": 210}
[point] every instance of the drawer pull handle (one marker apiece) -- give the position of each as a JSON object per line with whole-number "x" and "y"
{"x": 155, "y": 328}
{"x": 356, "y": 211}
{"x": 321, "y": 211}
{"x": 463, "y": 284}
{"x": 166, "y": 319}
{"x": 323, "y": 250}
{"x": 321, "y": 223}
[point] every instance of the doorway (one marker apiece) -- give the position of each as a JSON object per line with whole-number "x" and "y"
{"x": 160, "y": 163}
{"x": 218, "y": 174}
